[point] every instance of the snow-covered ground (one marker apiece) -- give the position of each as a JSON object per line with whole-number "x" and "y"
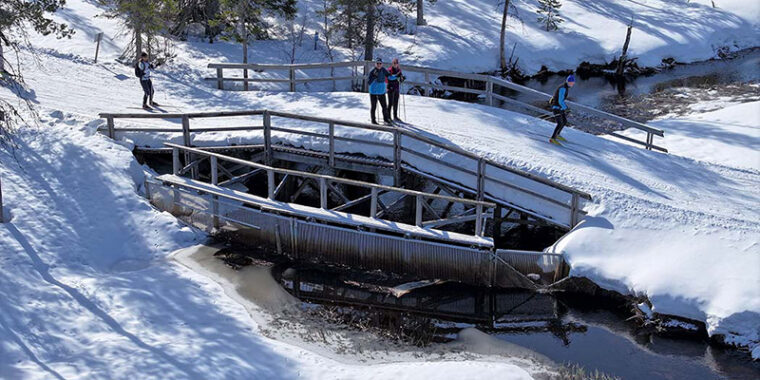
{"x": 87, "y": 289}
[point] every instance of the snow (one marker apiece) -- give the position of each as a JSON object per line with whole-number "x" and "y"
{"x": 729, "y": 136}
{"x": 87, "y": 289}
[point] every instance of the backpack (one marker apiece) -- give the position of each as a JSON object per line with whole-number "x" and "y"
{"x": 138, "y": 71}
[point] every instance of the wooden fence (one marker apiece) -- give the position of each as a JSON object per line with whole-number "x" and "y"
{"x": 489, "y": 86}
{"x": 409, "y": 151}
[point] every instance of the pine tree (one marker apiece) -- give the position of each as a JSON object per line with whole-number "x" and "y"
{"x": 549, "y": 17}
{"x": 143, "y": 18}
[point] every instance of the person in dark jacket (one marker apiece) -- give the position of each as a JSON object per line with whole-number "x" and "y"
{"x": 394, "y": 88}
{"x": 144, "y": 69}
{"x": 378, "y": 83}
{"x": 559, "y": 108}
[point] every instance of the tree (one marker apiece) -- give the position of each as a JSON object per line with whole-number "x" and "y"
{"x": 144, "y": 18}
{"x": 503, "y": 37}
{"x": 17, "y": 19}
{"x": 549, "y": 14}
{"x": 241, "y": 19}
{"x": 421, "y": 12}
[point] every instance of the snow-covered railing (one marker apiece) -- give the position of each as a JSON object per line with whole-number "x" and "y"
{"x": 489, "y": 86}
{"x": 409, "y": 151}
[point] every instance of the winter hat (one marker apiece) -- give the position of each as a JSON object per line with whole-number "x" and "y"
{"x": 570, "y": 78}
{"x": 378, "y": 60}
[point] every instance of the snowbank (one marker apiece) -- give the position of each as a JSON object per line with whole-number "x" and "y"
{"x": 729, "y": 136}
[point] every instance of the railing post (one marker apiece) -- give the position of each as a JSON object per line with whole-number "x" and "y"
{"x": 497, "y": 222}
{"x": 428, "y": 86}
{"x": 418, "y": 211}
{"x": 397, "y": 158}
{"x": 479, "y": 220}
{"x": 489, "y": 91}
{"x": 292, "y": 80}
{"x": 268, "y": 138}
{"x": 574, "y": 211}
{"x": 214, "y": 172}
{"x": 215, "y": 211}
{"x": 270, "y": 184}
{"x": 111, "y": 131}
{"x": 220, "y": 78}
{"x": 245, "y": 79}
{"x": 332, "y": 144}
{"x": 175, "y": 161}
{"x": 365, "y": 84}
{"x": 186, "y": 140}
{"x": 481, "y": 178}
{"x": 650, "y": 140}
{"x": 373, "y": 203}
{"x": 323, "y": 193}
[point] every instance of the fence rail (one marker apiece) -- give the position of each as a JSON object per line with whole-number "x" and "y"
{"x": 486, "y": 179}
{"x": 486, "y": 85}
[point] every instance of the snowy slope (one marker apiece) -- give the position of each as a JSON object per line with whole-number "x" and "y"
{"x": 464, "y": 34}
{"x": 729, "y": 136}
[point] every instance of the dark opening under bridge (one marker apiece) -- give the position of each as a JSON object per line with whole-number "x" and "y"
{"x": 355, "y": 194}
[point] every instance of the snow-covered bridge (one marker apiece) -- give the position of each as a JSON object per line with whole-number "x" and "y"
{"x": 420, "y": 205}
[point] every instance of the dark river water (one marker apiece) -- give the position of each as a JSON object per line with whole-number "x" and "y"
{"x": 594, "y": 336}
{"x": 594, "y": 91}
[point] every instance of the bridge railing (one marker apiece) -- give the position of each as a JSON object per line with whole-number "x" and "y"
{"x": 336, "y": 140}
{"x": 489, "y": 86}
{"x": 326, "y": 183}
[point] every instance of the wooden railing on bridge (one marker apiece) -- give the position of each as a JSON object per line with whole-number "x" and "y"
{"x": 482, "y": 177}
{"x": 487, "y": 85}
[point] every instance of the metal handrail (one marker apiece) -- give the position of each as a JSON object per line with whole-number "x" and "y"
{"x": 489, "y": 80}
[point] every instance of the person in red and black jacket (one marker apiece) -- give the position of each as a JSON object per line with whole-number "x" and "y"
{"x": 394, "y": 88}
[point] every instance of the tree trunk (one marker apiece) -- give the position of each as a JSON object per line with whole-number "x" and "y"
{"x": 2, "y": 58}
{"x": 138, "y": 43}
{"x": 502, "y": 38}
{"x": 421, "y": 12}
{"x": 624, "y": 55}
{"x": 369, "y": 40}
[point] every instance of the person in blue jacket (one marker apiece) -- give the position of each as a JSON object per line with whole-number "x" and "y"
{"x": 378, "y": 84}
{"x": 559, "y": 107}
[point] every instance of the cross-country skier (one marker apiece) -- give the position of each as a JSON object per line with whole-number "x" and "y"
{"x": 559, "y": 107}
{"x": 378, "y": 82}
{"x": 143, "y": 70}
{"x": 394, "y": 88}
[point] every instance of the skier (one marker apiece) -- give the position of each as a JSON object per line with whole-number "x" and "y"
{"x": 559, "y": 108}
{"x": 378, "y": 81}
{"x": 394, "y": 84}
{"x": 143, "y": 70}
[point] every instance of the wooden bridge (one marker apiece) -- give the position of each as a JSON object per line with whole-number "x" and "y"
{"x": 355, "y": 194}
{"x": 494, "y": 89}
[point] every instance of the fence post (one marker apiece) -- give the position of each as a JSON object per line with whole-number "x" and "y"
{"x": 418, "y": 211}
{"x": 489, "y": 91}
{"x": 323, "y": 193}
{"x": 175, "y": 161}
{"x": 268, "y": 137}
{"x": 650, "y": 140}
{"x": 397, "y": 158}
{"x": 270, "y": 184}
{"x": 574, "y": 211}
{"x": 373, "y": 203}
{"x": 220, "y": 78}
{"x": 186, "y": 138}
{"x": 111, "y": 131}
{"x": 214, "y": 172}
{"x": 428, "y": 86}
{"x": 332, "y": 145}
{"x": 292, "y": 80}
{"x": 481, "y": 178}
{"x": 479, "y": 220}
{"x": 365, "y": 84}
{"x": 245, "y": 79}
